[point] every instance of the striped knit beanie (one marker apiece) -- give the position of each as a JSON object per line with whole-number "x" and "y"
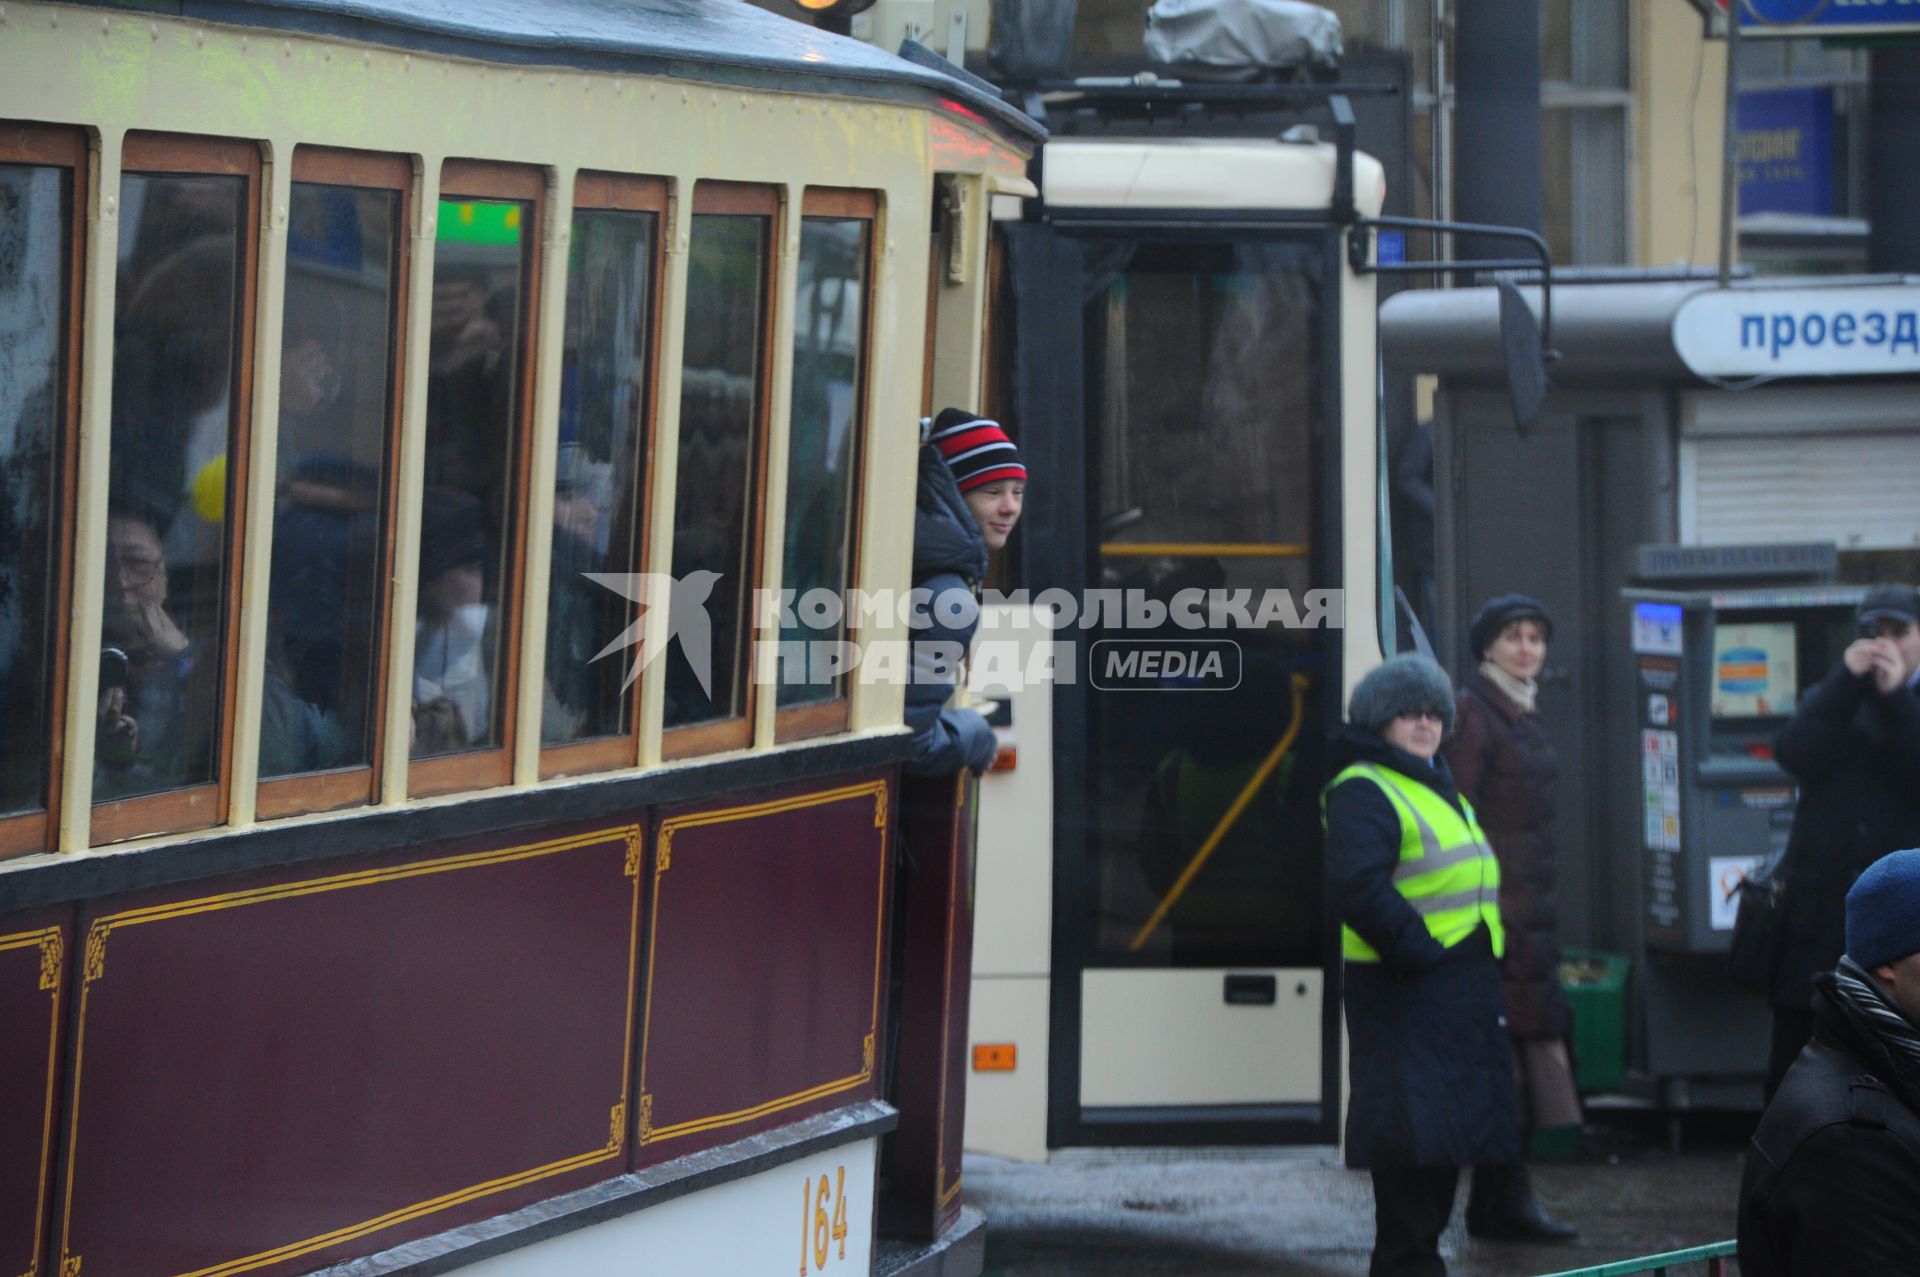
{"x": 976, "y": 450}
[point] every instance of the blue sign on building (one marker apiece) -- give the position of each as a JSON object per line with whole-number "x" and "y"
{"x": 1785, "y": 148}
{"x": 1826, "y": 17}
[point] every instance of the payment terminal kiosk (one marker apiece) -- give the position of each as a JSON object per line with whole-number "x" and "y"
{"x": 1717, "y": 674}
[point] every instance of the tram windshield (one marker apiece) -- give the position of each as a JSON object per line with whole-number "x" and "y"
{"x": 1204, "y": 393}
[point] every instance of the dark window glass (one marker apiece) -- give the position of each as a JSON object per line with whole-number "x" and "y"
{"x": 597, "y": 496}
{"x": 177, "y": 315}
{"x": 714, "y": 502}
{"x": 324, "y": 610}
{"x": 829, "y": 351}
{"x": 480, "y": 267}
{"x": 1205, "y": 397}
{"x": 35, "y": 212}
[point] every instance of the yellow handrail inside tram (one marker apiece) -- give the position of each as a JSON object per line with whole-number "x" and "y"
{"x": 1199, "y": 549}
{"x": 1227, "y": 821}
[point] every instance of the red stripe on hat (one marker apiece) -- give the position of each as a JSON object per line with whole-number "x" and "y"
{"x": 999, "y": 474}
{"x": 952, "y": 444}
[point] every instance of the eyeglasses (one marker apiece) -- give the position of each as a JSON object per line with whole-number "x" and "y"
{"x": 1414, "y": 715}
{"x": 135, "y": 569}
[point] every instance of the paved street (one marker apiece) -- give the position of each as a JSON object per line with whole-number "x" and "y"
{"x": 1217, "y": 1213}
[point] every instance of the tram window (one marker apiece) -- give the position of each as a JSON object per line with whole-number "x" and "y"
{"x": 600, "y": 470}
{"x": 326, "y": 609}
{"x": 176, "y": 470}
{"x": 716, "y": 528}
{"x": 479, "y": 400}
{"x": 39, "y": 254}
{"x": 824, "y": 454}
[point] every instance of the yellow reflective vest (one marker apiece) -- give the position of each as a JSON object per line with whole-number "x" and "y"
{"x": 1447, "y": 870}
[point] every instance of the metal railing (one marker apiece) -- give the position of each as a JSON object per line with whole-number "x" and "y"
{"x": 1714, "y": 1255}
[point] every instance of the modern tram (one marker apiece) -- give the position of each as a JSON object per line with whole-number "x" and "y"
{"x": 1186, "y": 340}
{"x": 397, "y": 875}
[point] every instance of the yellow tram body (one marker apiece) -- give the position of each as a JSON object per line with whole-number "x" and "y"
{"x": 777, "y": 817}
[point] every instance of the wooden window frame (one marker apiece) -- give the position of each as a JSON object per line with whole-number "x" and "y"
{"x": 206, "y": 805}
{"x": 359, "y": 785}
{"x": 595, "y": 192}
{"x": 56, "y": 146}
{"x": 750, "y": 199}
{"x": 835, "y": 715}
{"x": 492, "y": 767}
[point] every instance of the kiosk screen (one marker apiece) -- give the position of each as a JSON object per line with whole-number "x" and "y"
{"x": 1755, "y": 670}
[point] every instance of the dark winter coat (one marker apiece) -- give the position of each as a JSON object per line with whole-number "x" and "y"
{"x": 1832, "y": 1173}
{"x": 949, "y": 559}
{"x": 1431, "y": 1074}
{"x": 1856, "y": 755}
{"x": 1504, "y": 762}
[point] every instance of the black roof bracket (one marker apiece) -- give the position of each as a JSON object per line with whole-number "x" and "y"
{"x": 1360, "y": 242}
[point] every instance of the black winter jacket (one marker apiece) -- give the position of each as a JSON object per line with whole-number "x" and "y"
{"x": 1832, "y": 1186}
{"x": 1856, "y": 755}
{"x": 949, "y": 558}
{"x": 1504, "y": 762}
{"x": 1431, "y": 1074}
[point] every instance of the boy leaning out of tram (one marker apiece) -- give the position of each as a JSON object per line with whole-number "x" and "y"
{"x": 972, "y": 485}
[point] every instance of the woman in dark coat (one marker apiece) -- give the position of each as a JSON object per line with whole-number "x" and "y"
{"x": 1504, "y": 762}
{"x": 1431, "y": 1076}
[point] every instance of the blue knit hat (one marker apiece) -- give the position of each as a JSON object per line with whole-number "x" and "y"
{"x": 1883, "y": 910}
{"x": 1497, "y": 613}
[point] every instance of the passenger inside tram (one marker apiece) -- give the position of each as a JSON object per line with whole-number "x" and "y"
{"x": 159, "y": 695}
{"x": 455, "y": 634}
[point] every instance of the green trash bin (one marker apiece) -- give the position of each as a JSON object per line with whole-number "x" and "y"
{"x": 1596, "y": 987}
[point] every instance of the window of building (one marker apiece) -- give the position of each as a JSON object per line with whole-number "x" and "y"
{"x": 823, "y": 457}
{"x": 722, "y": 467}
{"x": 339, "y": 411}
{"x": 599, "y": 500}
{"x": 182, "y": 363}
{"x": 41, "y": 200}
{"x": 472, "y": 542}
{"x": 1585, "y": 97}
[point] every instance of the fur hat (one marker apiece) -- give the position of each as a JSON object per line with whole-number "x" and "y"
{"x": 1883, "y": 910}
{"x": 1401, "y": 685}
{"x": 1499, "y": 612}
{"x": 976, "y": 450}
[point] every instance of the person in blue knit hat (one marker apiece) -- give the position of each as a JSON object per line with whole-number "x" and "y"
{"x": 1832, "y": 1185}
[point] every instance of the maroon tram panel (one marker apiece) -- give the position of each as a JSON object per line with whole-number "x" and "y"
{"x": 764, "y": 971}
{"x": 36, "y": 951}
{"x": 921, "y": 1158}
{"x": 274, "y": 1072}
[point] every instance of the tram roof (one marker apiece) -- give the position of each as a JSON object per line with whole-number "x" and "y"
{"x": 723, "y": 41}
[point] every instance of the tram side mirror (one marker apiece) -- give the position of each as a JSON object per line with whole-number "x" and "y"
{"x": 1525, "y": 360}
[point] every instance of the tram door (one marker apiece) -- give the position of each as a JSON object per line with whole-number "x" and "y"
{"x": 1190, "y": 996}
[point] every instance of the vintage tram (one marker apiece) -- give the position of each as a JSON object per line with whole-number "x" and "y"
{"x": 374, "y": 897}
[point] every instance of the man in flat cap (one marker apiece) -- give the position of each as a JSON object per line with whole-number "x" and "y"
{"x": 1854, "y": 748}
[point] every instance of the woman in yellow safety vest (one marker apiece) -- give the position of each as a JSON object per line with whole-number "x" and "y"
{"x": 1416, "y": 889}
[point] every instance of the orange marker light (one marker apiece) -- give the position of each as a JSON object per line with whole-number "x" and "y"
{"x": 994, "y": 1057}
{"x": 1006, "y": 759}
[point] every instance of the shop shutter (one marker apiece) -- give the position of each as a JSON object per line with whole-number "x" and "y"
{"x": 1860, "y": 491}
